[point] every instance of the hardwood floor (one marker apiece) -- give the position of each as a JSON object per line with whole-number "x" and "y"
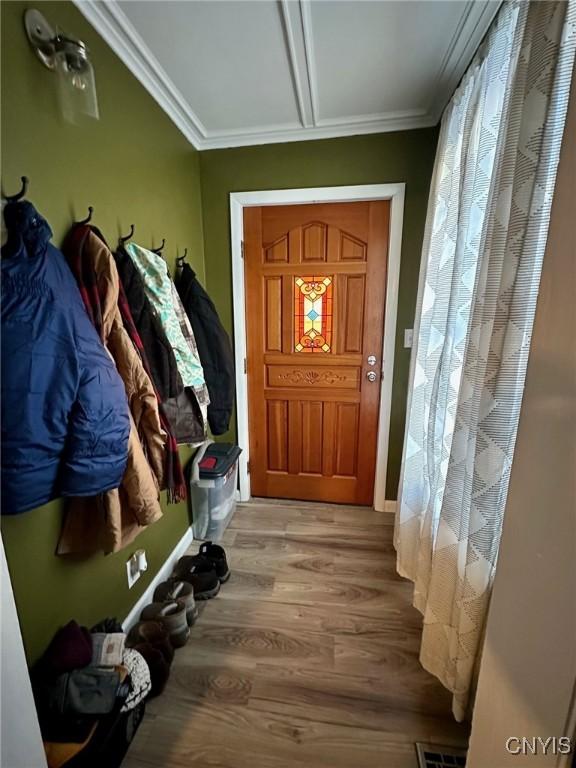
{"x": 308, "y": 657}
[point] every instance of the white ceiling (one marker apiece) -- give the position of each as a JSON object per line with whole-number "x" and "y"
{"x": 239, "y": 72}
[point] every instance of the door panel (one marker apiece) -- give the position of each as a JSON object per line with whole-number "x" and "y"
{"x": 277, "y": 252}
{"x": 277, "y": 435}
{"x": 315, "y": 278}
{"x": 346, "y": 439}
{"x": 349, "y": 319}
{"x": 345, "y": 377}
{"x": 312, "y": 430}
{"x": 273, "y": 313}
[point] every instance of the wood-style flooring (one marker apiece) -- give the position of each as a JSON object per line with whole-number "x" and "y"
{"x": 308, "y": 657}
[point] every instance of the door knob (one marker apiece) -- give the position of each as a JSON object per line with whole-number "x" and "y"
{"x": 371, "y": 376}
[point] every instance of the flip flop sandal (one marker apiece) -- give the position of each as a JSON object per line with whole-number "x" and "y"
{"x": 172, "y": 614}
{"x": 178, "y": 590}
{"x": 217, "y": 556}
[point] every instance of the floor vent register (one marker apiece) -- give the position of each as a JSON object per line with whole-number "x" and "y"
{"x": 438, "y": 756}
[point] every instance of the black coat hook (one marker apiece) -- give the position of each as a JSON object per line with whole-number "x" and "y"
{"x": 88, "y": 219}
{"x": 128, "y": 236}
{"x": 181, "y": 259}
{"x": 18, "y": 195}
{"x": 158, "y": 250}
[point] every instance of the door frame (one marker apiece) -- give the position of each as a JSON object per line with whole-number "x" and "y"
{"x": 364, "y": 192}
{"x": 20, "y": 738}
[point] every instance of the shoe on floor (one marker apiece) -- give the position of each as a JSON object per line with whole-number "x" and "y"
{"x": 172, "y": 614}
{"x": 178, "y": 590}
{"x": 154, "y": 634}
{"x": 199, "y": 572}
{"x": 158, "y": 666}
{"x": 217, "y": 556}
{"x": 192, "y": 563}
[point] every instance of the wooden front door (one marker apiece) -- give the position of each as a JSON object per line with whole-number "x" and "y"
{"x": 315, "y": 294}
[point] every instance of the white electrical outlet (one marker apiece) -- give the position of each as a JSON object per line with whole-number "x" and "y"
{"x": 133, "y": 570}
{"x": 408, "y": 338}
{"x": 142, "y": 562}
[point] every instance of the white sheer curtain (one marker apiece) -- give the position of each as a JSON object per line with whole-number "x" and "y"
{"x": 485, "y": 236}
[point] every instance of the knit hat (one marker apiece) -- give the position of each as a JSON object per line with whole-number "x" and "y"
{"x": 71, "y": 648}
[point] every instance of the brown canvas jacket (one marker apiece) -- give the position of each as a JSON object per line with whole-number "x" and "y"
{"x": 113, "y": 520}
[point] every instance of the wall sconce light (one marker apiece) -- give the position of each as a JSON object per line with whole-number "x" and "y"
{"x": 67, "y": 57}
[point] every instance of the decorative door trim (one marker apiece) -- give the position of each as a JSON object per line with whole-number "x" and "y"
{"x": 241, "y": 200}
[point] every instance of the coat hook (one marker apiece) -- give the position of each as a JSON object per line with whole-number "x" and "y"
{"x": 127, "y": 237}
{"x": 18, "y": 195}
{"x": 88, "y": 219}
{"x": 181, "y": 259}
{"x": 158, "y": 250}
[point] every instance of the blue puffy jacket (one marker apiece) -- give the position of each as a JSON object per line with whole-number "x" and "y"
{"x": 65, "y": 420}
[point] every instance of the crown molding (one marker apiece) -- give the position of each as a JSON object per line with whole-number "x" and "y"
{"x": 472, "y": 26}
{"x": 114, "y": 27}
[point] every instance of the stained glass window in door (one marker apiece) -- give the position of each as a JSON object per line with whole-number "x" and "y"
{"x": 313, "y": 314}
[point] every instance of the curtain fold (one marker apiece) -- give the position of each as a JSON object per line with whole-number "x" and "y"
{"x": 484, "y": 242}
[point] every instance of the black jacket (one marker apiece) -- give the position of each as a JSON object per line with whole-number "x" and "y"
{"x": 157, "y": 347}
{"x": 214, "y": 348}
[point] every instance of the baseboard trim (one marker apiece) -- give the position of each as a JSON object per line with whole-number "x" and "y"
{"x": 390, "y": 506}
{"x": 163, "y": 573}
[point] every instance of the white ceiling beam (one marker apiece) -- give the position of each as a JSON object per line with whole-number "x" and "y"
{"x": 292, "y": 24}
{"x": 306, "y": 19}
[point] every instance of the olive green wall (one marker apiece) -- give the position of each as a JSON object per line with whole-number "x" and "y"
{"x": 133, "y": 166}
{"x": 406, "y": 156}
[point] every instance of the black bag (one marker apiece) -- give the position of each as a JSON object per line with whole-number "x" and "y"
{"x": 110, "y": 743}
{"x": 88, "y": 691}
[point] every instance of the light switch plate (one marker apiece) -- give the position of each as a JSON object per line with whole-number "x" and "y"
{"x": 408, "y": 337}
